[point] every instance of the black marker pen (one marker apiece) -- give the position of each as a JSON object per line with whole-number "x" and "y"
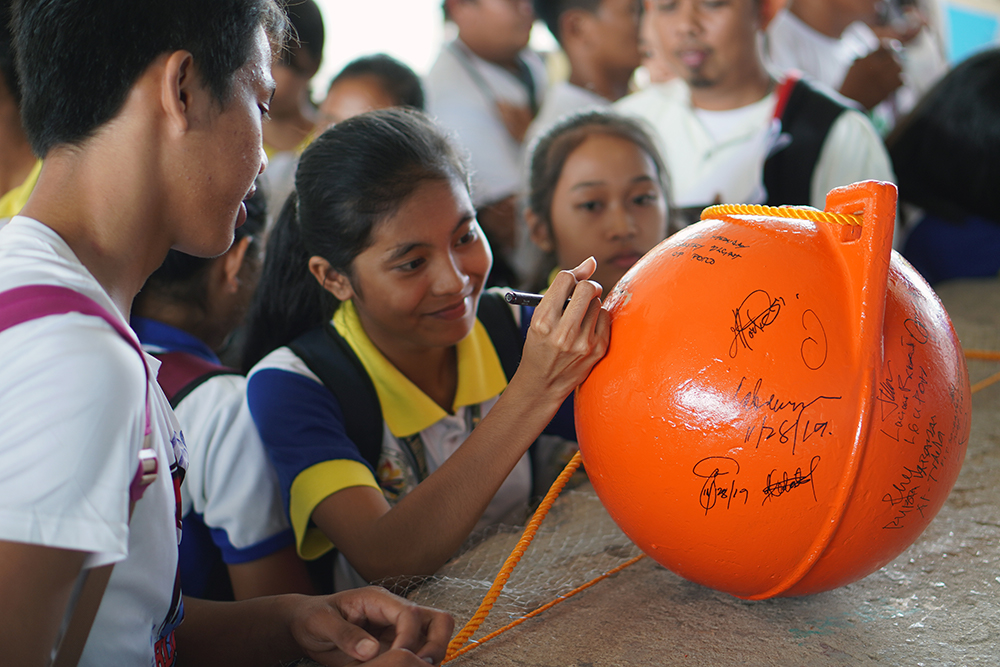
{"x": 522, "y": 298}
{"x": 516, "y": 298}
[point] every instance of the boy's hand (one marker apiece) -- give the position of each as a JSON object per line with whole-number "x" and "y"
{"x": 515, "y": 118}
{"x": 563, "y": 345}
{"x": 873, "y": 78}
{"x": 360, "y": 624}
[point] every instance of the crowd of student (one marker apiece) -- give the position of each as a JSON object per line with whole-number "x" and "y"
{"x": 388, "y": 403}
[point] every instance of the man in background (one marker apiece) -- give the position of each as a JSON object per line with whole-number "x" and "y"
{"x": 601, "y": 42}
{"x": 730, "y": 133}
{"x": 486, "y": 87}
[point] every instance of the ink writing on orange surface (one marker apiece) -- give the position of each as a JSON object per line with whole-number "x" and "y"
{"x": 786, "y": 419}
{"x": 757, "y": 311}
{"x": 719, "y": 473}
{"x": 780, "y": 485}
{"x": 814, "y": 348}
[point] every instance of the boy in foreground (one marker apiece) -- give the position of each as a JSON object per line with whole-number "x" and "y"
{"x": 148, "y": 116}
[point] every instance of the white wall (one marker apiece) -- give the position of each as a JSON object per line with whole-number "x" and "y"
{"x": 410, "y": 30}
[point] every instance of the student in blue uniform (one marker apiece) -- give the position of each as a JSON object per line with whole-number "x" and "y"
{"x": 382, "y": 238}
{"x": 236, "y": 542}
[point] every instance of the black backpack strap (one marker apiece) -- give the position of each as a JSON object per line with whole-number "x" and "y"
{"x": 807, "y": 118}
{"x": 197, "y": 382}
{"x": 183, "y": 372}
{"x": 494, "y": 313}
{"x": 331, "y": 358}
{"x": 333, "y": 361}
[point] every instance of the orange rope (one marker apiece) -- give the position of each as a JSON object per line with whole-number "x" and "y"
{"x": 982, "y": 384}
{"x": 548, "y": 605}
{"x": 987, "y": 355}
{"x": 798, "y": 212}
{"x": 515, "y": 556}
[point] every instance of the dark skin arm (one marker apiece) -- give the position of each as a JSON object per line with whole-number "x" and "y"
{"x": 435, "y": 518}
{"x": 36, "y": 581}
{"x": 873, "y": 78}
{"x": 345, "y": 628}
{"x": 281, "y": 572}
{"x": 35, "y": 585}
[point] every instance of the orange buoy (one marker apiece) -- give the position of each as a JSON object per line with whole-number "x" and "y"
{"x": 784, "y": 405}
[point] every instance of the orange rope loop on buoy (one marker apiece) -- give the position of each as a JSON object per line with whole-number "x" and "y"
{"x": 515, "y": 556}
{"x": 797, "y": 212}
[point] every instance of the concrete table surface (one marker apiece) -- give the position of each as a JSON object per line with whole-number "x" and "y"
{"x": 938, "y": 603}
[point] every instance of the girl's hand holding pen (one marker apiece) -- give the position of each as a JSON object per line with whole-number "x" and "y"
{"x": 565, "y": 340}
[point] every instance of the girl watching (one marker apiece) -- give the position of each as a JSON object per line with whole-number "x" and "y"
{"x": 597, "y": 187}
{"x": 381, "y": 236}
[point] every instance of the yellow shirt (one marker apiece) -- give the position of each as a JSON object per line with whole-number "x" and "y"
{"x": 12, "y": 202}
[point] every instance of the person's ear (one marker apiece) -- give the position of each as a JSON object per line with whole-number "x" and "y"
{"x": 453, "y": 7}
{"x": 573, "y": 25}
{"x": 763, "y": 12}
{"x": 231, "y": 262}
{"x": 177, "y": 86}
{"x": 334, "y": 282}
{"x": 541, "y": 233}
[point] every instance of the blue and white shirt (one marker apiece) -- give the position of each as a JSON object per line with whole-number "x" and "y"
{"x": 230, "y": 498}
{"x": 302, "y": 426}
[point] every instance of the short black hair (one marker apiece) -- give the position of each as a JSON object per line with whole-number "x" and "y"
{"x": 398, "y": 80}
{"x": 182, "y": 276}
{"x": 307, "y": 31}
{"x": 550, "y": 11}
{"x": 78, "y": 59}
{"x": 946, "y": 153}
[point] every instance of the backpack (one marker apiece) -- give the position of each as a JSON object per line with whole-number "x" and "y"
{"x": 806, "y": 116}
{"x": 31, "y": 302}
{"x": 182, "y": 372}
{"x": 332, "y": 360}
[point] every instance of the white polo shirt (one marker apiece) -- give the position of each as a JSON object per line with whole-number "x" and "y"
{"x": 71, "y": 427}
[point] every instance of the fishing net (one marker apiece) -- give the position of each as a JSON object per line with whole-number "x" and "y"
{"x": 576, "y": 543}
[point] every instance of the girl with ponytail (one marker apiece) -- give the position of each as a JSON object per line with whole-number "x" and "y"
{"x": 379, "y": 248}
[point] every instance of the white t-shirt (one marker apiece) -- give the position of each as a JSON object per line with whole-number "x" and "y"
{"x": 229, "y": 480}
{"x": 462, "y": 90}
{"x": 561, "y": 100}
{"x": 791, "y": 44}
{"x": 73, "y": 421}
{"x": 720, "y": 155}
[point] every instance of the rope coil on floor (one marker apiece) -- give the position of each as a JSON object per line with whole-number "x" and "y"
{"x": 548, "y": 605}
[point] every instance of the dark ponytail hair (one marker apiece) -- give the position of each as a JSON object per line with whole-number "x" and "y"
{"x": 353, "y": 176}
